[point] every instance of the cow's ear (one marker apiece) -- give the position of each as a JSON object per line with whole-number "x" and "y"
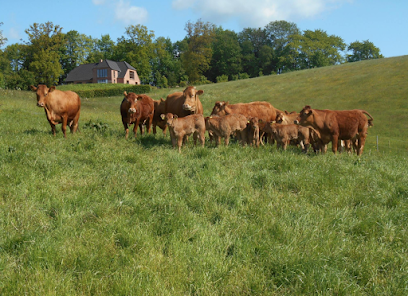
{"x": 51, "y": 89}
{"x": 161, "y": 100}
{"x": 163, "y": 116}
{"x": 139, "y": 98}
{"x": 175, "y": 116}
{"x": 226, "y": 103}
{"x": 33, "y": 88}
{"x": 200, "y": 92}
{"x": 125, "y": 93}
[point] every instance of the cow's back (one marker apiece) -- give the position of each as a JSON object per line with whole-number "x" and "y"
{"x": 64, "y": 102}
{"x": 262, "y": 110}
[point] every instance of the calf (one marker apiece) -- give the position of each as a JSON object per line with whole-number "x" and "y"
{"x": 225, "y": 126}
{"x": 136, "y": 109}
{"x": 253, "y": 132}
{"x": 181, "y": 127}
{"x": 284, "y": 133}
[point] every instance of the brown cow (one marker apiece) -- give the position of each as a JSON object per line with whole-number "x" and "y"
{"x": 225, "y": 126}
{"x": 337, "y": 125}
{"x": 60, "y": 107}
{"x": 262, "y": 110}
{"x": 159, "y": 109}
{"x": 253, "y": 132}
{"x": 184, "y": 103}
{"x": 286, "y": 117}
{"x": 285, "y": 133}
{"x": 182, "y": 127}
{"x": 136, "y": 109}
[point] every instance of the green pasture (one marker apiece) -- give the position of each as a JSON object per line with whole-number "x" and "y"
{"x": 95, "y": 214}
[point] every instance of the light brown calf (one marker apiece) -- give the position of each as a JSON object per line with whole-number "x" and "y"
{"x": 225, "y": 126}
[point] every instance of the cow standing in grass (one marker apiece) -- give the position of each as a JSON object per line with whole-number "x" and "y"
{"x": 136, "y": 109}
{"x": 333, "y": 126}
{"x": 60, "y": 107}
{"x": 225, "y": 126}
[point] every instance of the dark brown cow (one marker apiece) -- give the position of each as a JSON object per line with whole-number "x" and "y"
{"x": 262, "y": 110}
{"x": 337, "y": 125}
{"x": 159, "y": 109}
{"x": 180, "y": 128}
{"x": 184, "y": 103}
{"x": 285, "y": 133}
{"x": 136, "y": 109}
{"x": 60, "y": 107}
{"x": 225, "y": 126}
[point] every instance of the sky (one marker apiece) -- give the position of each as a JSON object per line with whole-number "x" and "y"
{"x": 384, "y": 23}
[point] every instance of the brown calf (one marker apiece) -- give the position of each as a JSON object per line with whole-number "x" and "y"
{"x": 284, "y": 133}
{"x": 182, "y": 127}
{"x": 225, "y": 126}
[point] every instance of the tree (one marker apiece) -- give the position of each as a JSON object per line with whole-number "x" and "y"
{"x": 363, "y": 51}
{"x": 196, "y": 59}
{"x": 317, "y": 49}
{"x": 101, "y": 49}
{"x": 226, "y": 57}
{"x": 46, "y": 45}
{"x": 137, "y": 50}
{"x": 251, "y": 42}
{"x": 279, "y": 34}
{"x": 3, "y": 39}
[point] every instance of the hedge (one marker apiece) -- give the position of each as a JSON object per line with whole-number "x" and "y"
{"x": 108, "y": 91}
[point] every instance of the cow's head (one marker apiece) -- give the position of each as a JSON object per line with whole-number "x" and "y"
{"x": 286, "y": 117}
{"x": 254, "y": 123}
{"x": 191, "y": 98}
{"x": 131, "y": 99}
{"x": 219, "y": 108}
{"x": 305, "y": 117}
{"x": 169, "y": 118}
{"x": 42, "y": 92}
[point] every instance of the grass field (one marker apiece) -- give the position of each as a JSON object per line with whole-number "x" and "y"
{"x": 95, "y": 214}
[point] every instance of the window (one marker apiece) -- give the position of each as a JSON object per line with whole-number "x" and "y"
{"x": 102, "y": 73}
{"x": 132, "y": 75}
{"x": 102, "y": 80}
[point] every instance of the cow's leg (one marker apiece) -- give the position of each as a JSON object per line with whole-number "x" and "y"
{"x": 361, "y": 143}
{"x": 180, "y": 142}
{"x": 227, "y": 137}
{"x": 202, "y": 137}
{"x": 335, "y": 141}
{"x": 149, "y": 124}
{"x": 64, "y": 125}
{"x": 135, "y": 127}
{"x": 53, "y": 130}
{"x": 154, "y": 128}
{"x": 74, "y": 123}
{"x": 125, "y": 125}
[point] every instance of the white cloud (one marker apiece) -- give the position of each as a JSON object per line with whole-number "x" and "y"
{"x": 128, "y": 14}
{"x": 257, "y": 13}
{"x": 14, "y": 34}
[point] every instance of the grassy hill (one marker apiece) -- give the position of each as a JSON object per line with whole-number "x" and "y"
{"x": 95, "y": 214}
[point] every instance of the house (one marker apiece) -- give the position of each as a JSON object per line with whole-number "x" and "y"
{"x": 105, "y": 71}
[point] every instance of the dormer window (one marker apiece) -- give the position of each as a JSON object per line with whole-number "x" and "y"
{"x": 132, "y": 75}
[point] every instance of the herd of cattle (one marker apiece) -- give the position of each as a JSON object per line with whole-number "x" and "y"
{"x": 250, "y": 123}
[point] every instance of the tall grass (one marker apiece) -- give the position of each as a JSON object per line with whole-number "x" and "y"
{"x": 95, "y": 214}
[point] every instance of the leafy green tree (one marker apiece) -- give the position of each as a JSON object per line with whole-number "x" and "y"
{"x": 279, "y": 34}
{"x": 137, "y": 50}
{"x": 45, "y": 45}
{"x": 365, "y": 50}
{"x": 196, "y": 59}
{"x": 77, "y": 48}
{"x": 252, "y": 42}
{"x": 102, "y": 49}
{"x": 3, "y": 39}
{"x": 317, "y": 49}
{"x": 226, "y": 57}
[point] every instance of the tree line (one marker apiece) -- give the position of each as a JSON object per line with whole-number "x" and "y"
{"x": 207, "y": 54}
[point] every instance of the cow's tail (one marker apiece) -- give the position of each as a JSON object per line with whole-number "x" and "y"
{"x": 370, "y": 120}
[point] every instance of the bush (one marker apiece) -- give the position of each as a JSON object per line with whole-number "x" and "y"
{"x": 222, "y": 78}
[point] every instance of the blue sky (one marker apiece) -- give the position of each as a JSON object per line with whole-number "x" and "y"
{"x": 382, "y": 22}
